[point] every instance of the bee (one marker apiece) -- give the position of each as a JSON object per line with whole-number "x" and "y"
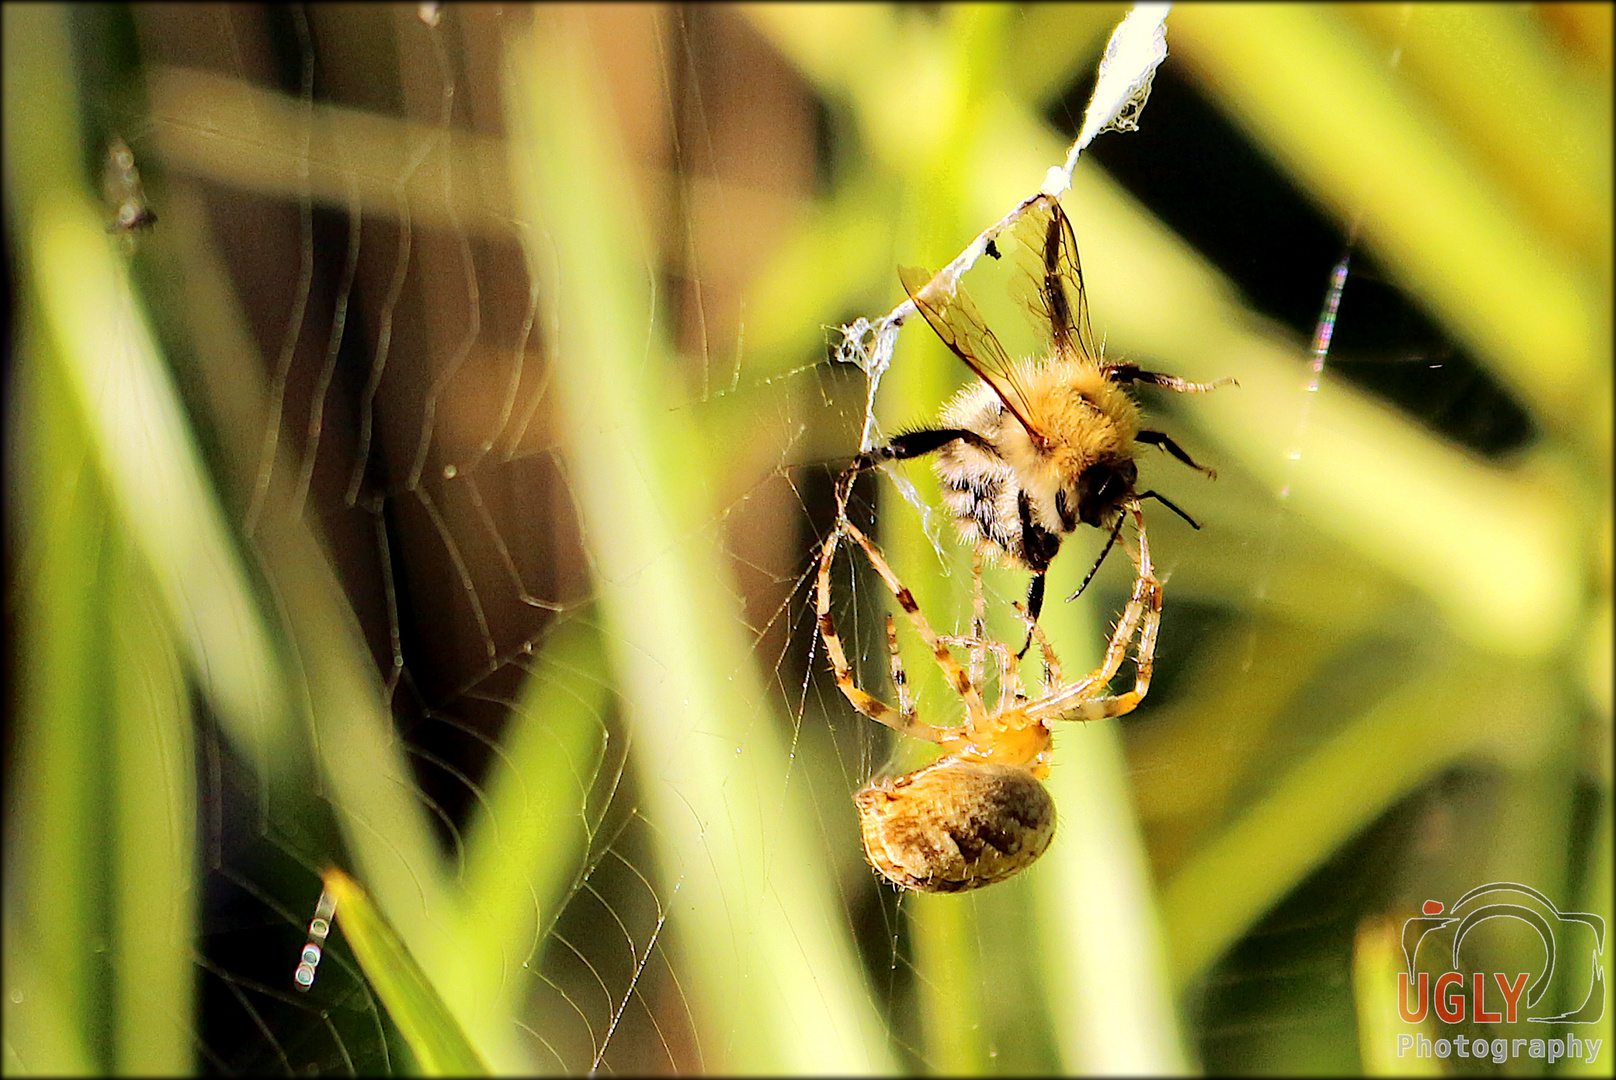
{"x": 1034, "y": 449}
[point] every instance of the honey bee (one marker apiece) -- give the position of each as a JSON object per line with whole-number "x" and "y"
{"x": 1035, "y": 448}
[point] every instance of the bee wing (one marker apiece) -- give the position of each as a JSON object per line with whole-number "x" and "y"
{"x": 1046, "y": 243}
{"x": 955, "y": 318}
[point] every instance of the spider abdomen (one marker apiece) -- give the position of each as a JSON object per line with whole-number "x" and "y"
{"x": 955, "y": 825}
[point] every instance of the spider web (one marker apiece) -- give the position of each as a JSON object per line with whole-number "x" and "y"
{"x": 644, "y": 772}
{"x": 346, "y": 166}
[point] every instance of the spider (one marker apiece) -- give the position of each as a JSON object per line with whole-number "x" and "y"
{"x": 978, "y": 814}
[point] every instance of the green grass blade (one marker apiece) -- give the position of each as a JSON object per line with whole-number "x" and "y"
{"x": 54, "y": 909}
{"x": 153, "y": 846}
{"x": 525, "y": 850}
{"x": 766, "y": 955}
{"x": 433, "y": 1035}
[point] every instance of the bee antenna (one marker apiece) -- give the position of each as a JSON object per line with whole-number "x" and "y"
{"x": 1165, "y": 501}
{"x": 1116, "y": 530}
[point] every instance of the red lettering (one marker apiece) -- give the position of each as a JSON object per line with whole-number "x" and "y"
{"x": 1402, "y": 998}
{"x": 1450, "y": 1005}
{"x": 1479, "y": 984}
{"x": 1512, "y": 993}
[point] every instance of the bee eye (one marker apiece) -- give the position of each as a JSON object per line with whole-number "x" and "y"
{"x": 1065, "y": 499}
{"x": 1101, "y": 488}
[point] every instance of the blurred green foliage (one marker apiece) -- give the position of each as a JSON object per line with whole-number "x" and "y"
{"x": 1386, "y": 664}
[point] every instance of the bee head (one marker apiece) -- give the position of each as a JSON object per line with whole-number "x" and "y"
{"x": 1101, "y": 488}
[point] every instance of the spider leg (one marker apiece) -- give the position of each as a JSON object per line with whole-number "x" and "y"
{"x": 1052, "y": 667}
{"x": 1145, "y": 585}
{"x": 1143, "y": 614}
{"x": 1009, "y": 676}
{"x": 898, "y": 720}
{"x": 1009, "y": 671}
{"x": 900, "y": 678}
{"x": 957, "y": 676}
{"x": 979, "y": 621}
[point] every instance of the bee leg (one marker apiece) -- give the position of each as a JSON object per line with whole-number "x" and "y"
{"x": 1035, "y": 604}
{"x": 912, "y": 444}
{"x": 1038, "y": 547}
{"x": 1165, "y": 441}
{"x": 1165, "y": 501}
{"x": 1035, "y": 596}
{"x": 1142, "y": 615}
{"x": 1129, "y": 373}
{"x": 902, "y": 447}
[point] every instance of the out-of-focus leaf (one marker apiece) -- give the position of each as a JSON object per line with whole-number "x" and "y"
{"x": 425, "y": 1022}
